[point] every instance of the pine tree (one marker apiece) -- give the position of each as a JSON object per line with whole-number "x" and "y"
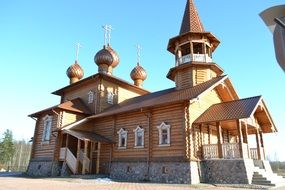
{"x": 7, "y": 148}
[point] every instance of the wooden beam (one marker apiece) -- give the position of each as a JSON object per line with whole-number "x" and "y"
{"x": 258, "y": 143}
{"x": 98, "y": 158}
{"x": 246, "y": 133}
{"x": 84, "y": 157}
{"x": 78, "y": 155}
{"x": 219, "y": 130}
{"x": 91, "y": 156}
{"x": 201, "y": 135}
{"x": 240, "y": 137}
{"x": 209, "y": 134}
{"x": 262, "y": 144}
{"x": 66, "y": 145}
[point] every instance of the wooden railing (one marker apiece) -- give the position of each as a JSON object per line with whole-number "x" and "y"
{"x": 210, "y": 151}
{"x": 230, "y": 150}
{"x": 195, "y": 57}
{"x": 87, "y": 160}
{"x": 71, "y": 161}
{"x": 253, "y": 153}
{"x": 62, "y": 154}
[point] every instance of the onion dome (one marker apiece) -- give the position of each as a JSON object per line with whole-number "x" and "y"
{"x": 107, "y": 56}
{"x": 138, "y": 74}
{"x": 75, "y": 73}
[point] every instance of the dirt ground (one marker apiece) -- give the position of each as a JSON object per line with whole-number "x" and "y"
{"x": 20, "y": 183}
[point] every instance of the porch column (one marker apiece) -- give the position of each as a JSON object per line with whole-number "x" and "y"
{"x": 98, "y": 158}
{"x": 240, "y": 137}
{"x": 201, "y": 134}
{"x": 84, "y": 157}
{"x": 91, "y": 157}
{"x": 66, "y": 145}
{"x": 219, "y": 130}
{"x": 209, "y": 134}
{"x": 246, "y": 140}
{"x": 78, "y": 154}
{"x": 258, "y": 143}
{"x": 262, "y": 144}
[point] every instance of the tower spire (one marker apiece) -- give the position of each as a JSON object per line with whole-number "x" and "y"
{"x": 191, "y": 20}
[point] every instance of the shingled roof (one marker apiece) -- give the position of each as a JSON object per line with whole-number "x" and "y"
{"x": 191, "y": 20}
{"x": 238, "y": 109}
{"x": 76, "y": 105}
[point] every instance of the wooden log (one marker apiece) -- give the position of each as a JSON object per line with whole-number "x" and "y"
{"x": 98, "y": 158}
{"x": 239, "y": 129}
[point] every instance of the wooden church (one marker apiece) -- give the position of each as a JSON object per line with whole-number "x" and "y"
{"x": 195, "y": 132}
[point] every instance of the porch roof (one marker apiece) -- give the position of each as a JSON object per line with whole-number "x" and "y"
{"x": 239, "y": 109}
{"x": 86, "y": 135}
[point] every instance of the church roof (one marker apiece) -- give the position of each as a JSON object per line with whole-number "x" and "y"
{"x": 76, "y": 105}
{"x": 238, "y": 109}
{"x": 161, "y": 98}
{"x": 110, "y": 78}
{"x": 191, "y": 21}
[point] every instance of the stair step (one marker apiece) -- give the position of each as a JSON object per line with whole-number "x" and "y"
{"x": 265, "y": 184}
{"x": 89, "y": 176}
{"x": 259, "y": 179}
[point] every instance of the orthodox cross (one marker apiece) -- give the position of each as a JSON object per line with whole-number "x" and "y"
{"x": 107, "y": 34}
{"x": 78, "y": 46}
{"x": 139, "y": 48}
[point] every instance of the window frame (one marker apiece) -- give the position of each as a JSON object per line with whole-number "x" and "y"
{"x": 110, "y": 97}
{"x": 90, "y": 97}
{"x": 122, "y": 132}
{"x": 47, "y": 127}
{"x": 139, "y": 129}
{"x": 163, "y": 126}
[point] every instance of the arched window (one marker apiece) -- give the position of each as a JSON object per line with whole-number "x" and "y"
{"x": 139, "y": 137}
{"x": 164, "y": 134}
{"x": 47, "y": 120}
{"x": 90, "y": 97}
{"x": 110, "y": 97}
{"x": 123, "y": 138}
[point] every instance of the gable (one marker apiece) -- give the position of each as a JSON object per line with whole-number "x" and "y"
{"x": 203, "y": 103}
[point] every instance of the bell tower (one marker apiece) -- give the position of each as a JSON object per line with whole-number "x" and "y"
{"x": 193, "y": 49}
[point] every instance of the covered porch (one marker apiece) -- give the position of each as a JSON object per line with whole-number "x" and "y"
{"x": 81, "y": 150}
{"x": 234, "y": 130}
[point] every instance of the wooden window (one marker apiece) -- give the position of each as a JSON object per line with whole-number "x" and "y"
{"x": 110, "y": 97}
{"x": 90, "y": 97}
{"x": 123, "y": 138}
{"x": 139, "y": 137}
{"x": 47, "y": 120}
{"x": 164, "y": 134}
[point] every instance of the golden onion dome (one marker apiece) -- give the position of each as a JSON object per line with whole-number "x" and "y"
{"x": 138, "y": 73}
{"x": 107, "y": 56}
{"x": 75, "y": 71}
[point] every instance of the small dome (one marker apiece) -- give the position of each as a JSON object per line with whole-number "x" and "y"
{"x": 107, "y": 56}
{"x": 75, "y": 71}
{"x": 138, "y": 73}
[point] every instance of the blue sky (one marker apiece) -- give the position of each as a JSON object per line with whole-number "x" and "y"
{"x": 38, "y": 44}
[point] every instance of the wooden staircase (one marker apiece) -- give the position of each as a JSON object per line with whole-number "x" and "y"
{"x": 266, "y": 178}
{"x": 72, "y": 162}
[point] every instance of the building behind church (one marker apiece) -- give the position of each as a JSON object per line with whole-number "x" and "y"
{"x": 195, "y": 132}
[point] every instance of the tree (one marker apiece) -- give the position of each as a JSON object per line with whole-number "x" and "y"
{"x": 7, "y": 148}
